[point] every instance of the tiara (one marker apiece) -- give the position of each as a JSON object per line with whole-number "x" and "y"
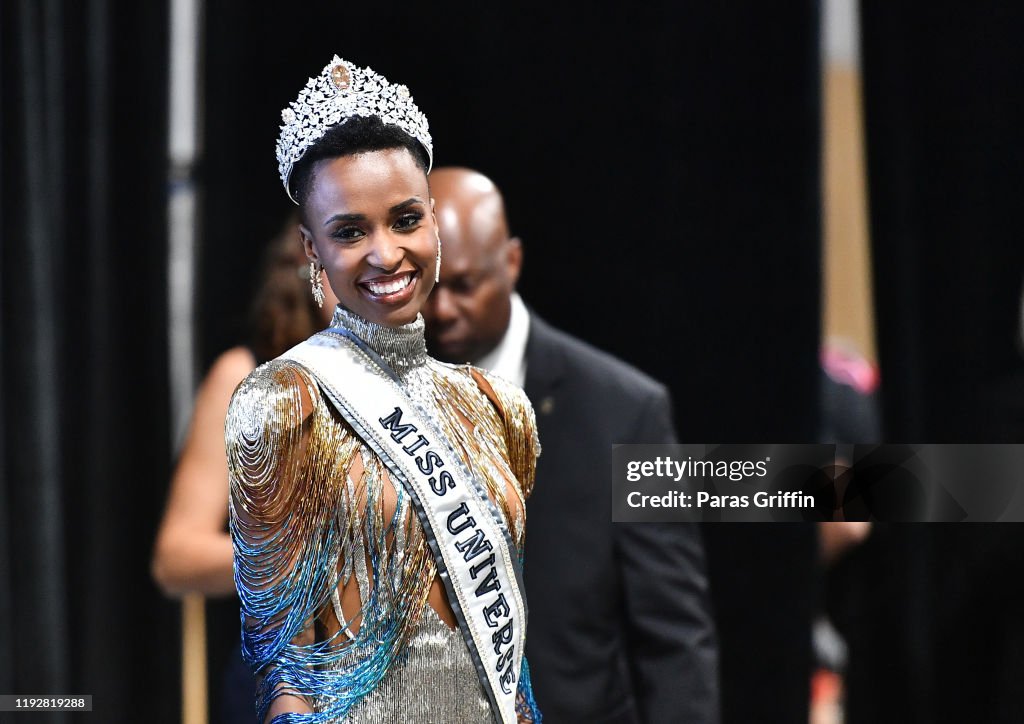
{"x": 339, "y": 93}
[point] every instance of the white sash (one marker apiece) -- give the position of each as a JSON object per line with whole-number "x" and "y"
{"x": 476, "y": 558}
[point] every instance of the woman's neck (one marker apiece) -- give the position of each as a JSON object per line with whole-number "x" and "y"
{"x": 403, "y": 348}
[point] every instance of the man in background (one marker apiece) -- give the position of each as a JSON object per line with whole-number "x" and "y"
{"x": 620, "y": 628}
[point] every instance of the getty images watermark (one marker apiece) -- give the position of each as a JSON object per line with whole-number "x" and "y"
{"x": 776, "y": 483}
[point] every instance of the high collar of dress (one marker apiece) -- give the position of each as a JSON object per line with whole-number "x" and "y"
{"x": 403, "y": 348}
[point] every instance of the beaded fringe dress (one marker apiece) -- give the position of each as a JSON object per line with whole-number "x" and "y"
{"x": 313, "y": 513}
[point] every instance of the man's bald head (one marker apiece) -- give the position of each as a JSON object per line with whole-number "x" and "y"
{"x": 469, "y": 207}
{"x": 468, "y": 312}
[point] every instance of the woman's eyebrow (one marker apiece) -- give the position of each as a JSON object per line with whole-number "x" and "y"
{"x": 405, "y": 204}
{"x": 345, "y": 217}
{"x": 362, "y": 217}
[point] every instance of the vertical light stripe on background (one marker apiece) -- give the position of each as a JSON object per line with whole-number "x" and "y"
{"x": 183, "y": 151}
{"x": 848, "y": 311}
{"x": 38, "y": 462}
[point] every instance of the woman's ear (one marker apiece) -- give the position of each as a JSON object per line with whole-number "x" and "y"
{"x": 307, "y": 244}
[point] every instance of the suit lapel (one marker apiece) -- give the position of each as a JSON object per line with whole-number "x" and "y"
{"x": 545, "y": 366}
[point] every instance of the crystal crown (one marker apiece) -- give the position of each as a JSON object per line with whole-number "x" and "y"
{"x": 343, "y": 91}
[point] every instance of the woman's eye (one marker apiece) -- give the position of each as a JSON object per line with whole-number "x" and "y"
{"x": 407, "y": 222}
{"x": 347, "y": 233}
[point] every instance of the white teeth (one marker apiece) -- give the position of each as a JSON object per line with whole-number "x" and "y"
{"x": 391, "y": 287}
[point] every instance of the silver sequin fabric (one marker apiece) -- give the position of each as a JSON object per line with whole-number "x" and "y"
{"x": 436, "y": 681}
{"x": 435, "y": 684}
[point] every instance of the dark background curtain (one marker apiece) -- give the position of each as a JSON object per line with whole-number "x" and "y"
{"x": 86, "y": 446}
{"x": 660, "y": 163}
{"x": 933, "y": 613}
{"x": 944, "y": 112}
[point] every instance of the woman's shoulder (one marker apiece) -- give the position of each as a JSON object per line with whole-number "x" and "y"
{"x": 517, "y": 420}
{"x": 278, "y": 392}
{"x": 274, "y": 377}
{"x": 505, "y": 394}
{"x": 508, "y": 399}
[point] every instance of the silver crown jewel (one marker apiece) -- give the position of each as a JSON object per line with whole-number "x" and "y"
{"x": 340, "y": 92}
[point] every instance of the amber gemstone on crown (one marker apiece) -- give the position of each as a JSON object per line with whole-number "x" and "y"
{"x": 340, "y": 77}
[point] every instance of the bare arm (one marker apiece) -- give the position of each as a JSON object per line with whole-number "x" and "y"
{"x": 193, "y": 549}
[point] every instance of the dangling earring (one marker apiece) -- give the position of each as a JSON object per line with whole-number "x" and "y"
{"x": 318, "y": 286}
{"x": 437, "y": 261}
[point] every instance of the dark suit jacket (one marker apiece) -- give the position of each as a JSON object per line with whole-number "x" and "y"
{"x": 619, "y": 625}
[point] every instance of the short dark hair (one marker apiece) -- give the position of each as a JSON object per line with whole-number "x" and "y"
{"x": 359, "y": 134}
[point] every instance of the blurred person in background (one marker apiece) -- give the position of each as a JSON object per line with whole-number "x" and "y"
{"x": 193, "y": 551}
{"x": 620, "y": 623}
{"x": 849, "y": 416}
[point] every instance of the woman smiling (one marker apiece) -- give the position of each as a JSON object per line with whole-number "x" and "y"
{"x": 377, "y": 495}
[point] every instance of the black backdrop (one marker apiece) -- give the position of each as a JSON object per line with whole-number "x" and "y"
{"x": 944, "y": 115}
{"x": 667, "y": 155}
{"x": 83, "y": 393}
{"x": 934, "y": 613}
{"x": 660, "y": 162}
{"x": 660, "y": 165}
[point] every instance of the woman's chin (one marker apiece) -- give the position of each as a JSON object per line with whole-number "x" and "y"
{"x": 389, "y": 316}
{"x": 399, "y": 320}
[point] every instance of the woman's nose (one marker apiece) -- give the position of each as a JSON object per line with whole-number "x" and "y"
{"x": 385, "y": 252}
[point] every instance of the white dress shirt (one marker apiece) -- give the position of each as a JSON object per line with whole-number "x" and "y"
{"x": 508, "y": 359}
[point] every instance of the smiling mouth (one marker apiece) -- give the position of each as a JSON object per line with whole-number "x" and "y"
{"x": 390, "y": 286}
